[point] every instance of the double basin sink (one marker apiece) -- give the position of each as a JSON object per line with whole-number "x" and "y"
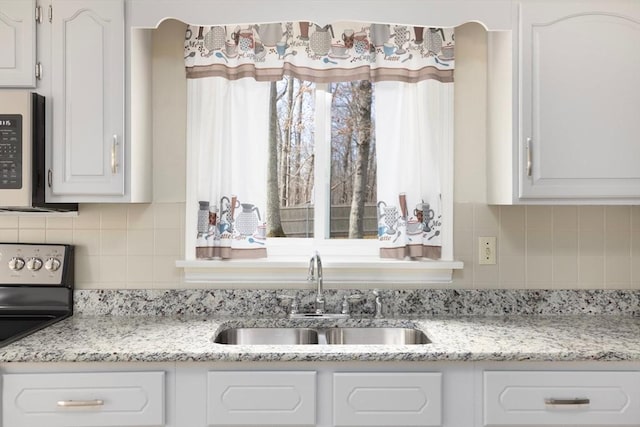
{"x": 328, "y": 336}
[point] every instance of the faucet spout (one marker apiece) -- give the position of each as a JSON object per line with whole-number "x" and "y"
{"x": 315, "y": 273}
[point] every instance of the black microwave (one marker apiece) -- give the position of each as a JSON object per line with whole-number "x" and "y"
{"x": 23, "y": 172}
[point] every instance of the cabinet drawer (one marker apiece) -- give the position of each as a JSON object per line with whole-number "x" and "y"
{"x": 83, "y": 399}
{"x": 387, "y": 399}
{"x": 561, "y": 398}
{"x": 261, "y": 398}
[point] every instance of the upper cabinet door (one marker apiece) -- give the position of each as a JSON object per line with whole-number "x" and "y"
{"x": 580, "y": 93}
{"x": 17, "y": 43}
{"x": 88, "y": 97}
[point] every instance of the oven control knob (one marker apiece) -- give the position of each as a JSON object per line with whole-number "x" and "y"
{"x": 16, "y": 264}
{"x": 52, "y": 264}
{"x": 34, "y": 264}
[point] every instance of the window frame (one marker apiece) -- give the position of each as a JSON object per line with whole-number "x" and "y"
{"x": 346, "y": 262}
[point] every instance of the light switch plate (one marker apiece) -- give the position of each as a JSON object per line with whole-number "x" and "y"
{"x": 487, "y": 250}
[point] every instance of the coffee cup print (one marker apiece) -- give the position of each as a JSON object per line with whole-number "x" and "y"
{"x": 347, "y": 38}
{"x": 230, "y": 49}
{"x": 281, "y": 48}
{"x": 388, "y": 49}
{"x": 245, "y": 40}
{"x": 360, "y": 43}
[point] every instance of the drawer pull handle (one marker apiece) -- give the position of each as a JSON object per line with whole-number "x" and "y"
{"x": 114, "y": 155}
{"x": 80, "y": 403}
{"x": 567, "y": 402}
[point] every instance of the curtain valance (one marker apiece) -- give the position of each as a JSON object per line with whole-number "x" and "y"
{"x": 343, "y": 51}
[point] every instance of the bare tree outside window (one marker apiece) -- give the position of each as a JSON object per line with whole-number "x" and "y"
{"x": 291, "y": 160}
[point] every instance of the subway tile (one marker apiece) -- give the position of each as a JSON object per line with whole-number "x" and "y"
{"x": 167, "y": 242}
{"x": 565, "y": 271}
{"x": 113, "y": 242}
{"x": 59, "y": 223}
{"x": 486, "y": 274}
{"x": 591, "y": 243}
{"x": 512, "y": 217}
{"x": 87, "y": 242}
{"x": 617, "y": 218}
{"x": 59, "y": 236}
{"x": 32, "y": 222}
{"x": 591, "y": 218}
{"x": 635, "y": 243}
{"x": 167, "y": 215}
{"x": 8, "y": 235}
{"x": 617, "y": 271}
{"x": 139, "y": 270}
{"x": 565, "y": 242}
{"x": 539, "y": 272}
{"x": 464, "y": 277}
{"x": 462, "y": 242}
{"x": 140, "y": 242}
{"x": 88, "y": 217}
{"x": 9, "y": 221}
{"x": 113, "y": 217}
{"x": 635, "y": 218}
{"x": 31, "y": 236}
{"x": 565, "y": 218}
{"x": 165, "y": 270}
{"x": 635, "y": 270}
{"x": 486, "y": 217}
{"x": 463, "y": 215}
{"x": 512, "y": 242}
{"x": 512, "y": 272}
{"x": 539, "y": 243}
{"x": 617, "y": 243}
{"x": 539, "y": 217}
{"x": 113, "y": 268}
{"x": 591, "y": 270}
{"x": 87, "y": 269}
{"x": 140, "y": 216}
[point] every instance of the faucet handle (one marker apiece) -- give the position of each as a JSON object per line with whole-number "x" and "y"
{"x": 294, "y": 305}
{"x": 347, "y": 299}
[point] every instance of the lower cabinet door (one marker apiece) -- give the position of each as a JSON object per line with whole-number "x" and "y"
{"x": 83, "y": 399}
{"x": 561, "y": 398}
{"x": 387, "y": 399}
{"x": 265, "y": 398}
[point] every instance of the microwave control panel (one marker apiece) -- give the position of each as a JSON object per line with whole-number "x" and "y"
{"x": 10, "y": 151}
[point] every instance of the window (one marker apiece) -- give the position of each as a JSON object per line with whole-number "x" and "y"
{"x": 352, "y": 146}
{"x": 352, "y": 181}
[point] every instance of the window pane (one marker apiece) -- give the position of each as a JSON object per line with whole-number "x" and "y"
{"x": 291, "y": 160}
{"x": 353, "y": 161}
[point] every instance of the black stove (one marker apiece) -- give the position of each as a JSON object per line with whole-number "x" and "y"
{"x": 36, "y": 287}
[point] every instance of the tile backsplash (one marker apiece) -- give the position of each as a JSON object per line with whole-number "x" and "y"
{"x": 538, "y": 247}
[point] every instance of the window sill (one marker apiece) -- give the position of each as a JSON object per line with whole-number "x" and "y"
{"x": 291, "y": 272}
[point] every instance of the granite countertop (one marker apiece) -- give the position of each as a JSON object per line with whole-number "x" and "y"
{"x": 472, "y": 338}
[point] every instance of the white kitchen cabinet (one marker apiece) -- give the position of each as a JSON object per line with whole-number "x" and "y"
{"x": 17, "y": 43}
{"x": 385, "y": 399}
{"x": 574, "y": 105}
{"x": 261, "y": 398}
{"x": 88, "y": 91}
{"x": 561, "y": 398}
{"x": 83, "y": 399}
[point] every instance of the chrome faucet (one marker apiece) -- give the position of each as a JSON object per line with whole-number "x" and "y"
{"x": 317, "y": 276}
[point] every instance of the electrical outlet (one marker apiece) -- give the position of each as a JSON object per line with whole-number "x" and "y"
{"x": 487, "y": 250}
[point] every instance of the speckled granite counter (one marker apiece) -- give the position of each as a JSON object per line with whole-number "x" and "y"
{"x": 476, "y": 338}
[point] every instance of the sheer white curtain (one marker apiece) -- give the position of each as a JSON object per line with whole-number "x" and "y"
{"x": 228, "y": 127}
{"x": 413, "y": 121}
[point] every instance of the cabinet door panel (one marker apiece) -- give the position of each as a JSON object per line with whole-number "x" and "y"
{"x": 387, "y": 399}
{"x": 261, "y": 398}
{"x": 88, "y": 97}
{"x": 17, "y": 43}
{"x": 581, "y": 99}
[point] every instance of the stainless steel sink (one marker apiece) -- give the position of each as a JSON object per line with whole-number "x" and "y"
{"x": 330, "y": 336}
{"x": 372, "y": 336}
{"x": 267, "y": 336}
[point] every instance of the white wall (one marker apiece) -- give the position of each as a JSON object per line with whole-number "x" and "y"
{"x": 135, "y": 246}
